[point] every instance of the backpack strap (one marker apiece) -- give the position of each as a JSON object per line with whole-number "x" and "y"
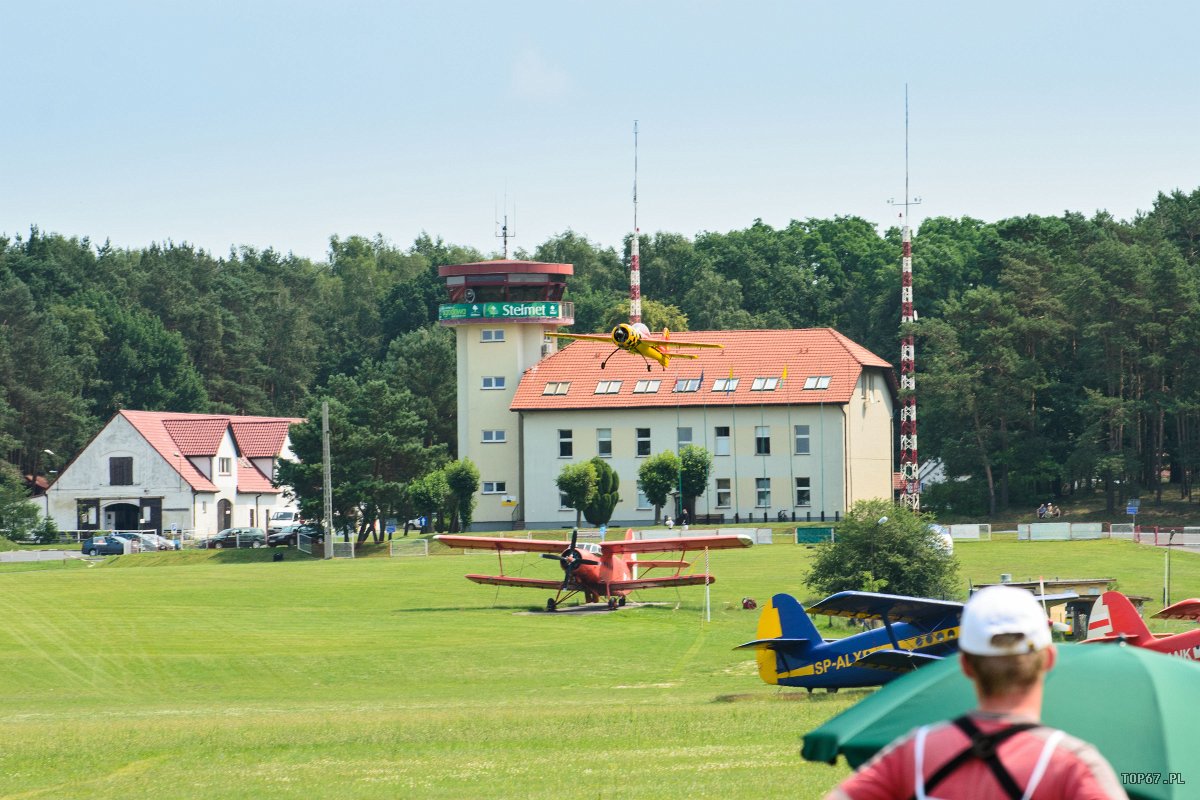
{"x": 983, "y": 746}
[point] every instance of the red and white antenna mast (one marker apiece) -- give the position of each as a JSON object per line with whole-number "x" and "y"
{"x": 635, "y": 271}
{"x": 910, "y": 492}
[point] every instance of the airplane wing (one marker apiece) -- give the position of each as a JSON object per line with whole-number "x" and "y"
{"x": 778, "y": 643}
{"x": 503, "y": 543}
{"x": 898, "y": 608}
{"x": 673, "y": 354}
{"x": 1184, "y": 609}
{"x": 896, "y": 660}
{"x": 1056, "y": 599}
{"x": 673, "y": 343}
{"x": 658, "y": 583}
{"x": 505, "y": 580}
{"x": 1111, "y": 637}
{"x": 675, "y": 543}
{"x": 587, "y": 337}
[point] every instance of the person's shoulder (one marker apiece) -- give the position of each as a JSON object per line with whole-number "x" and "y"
{"x": 1090, "y": 774}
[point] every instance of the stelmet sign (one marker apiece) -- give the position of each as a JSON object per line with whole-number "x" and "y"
{"x": 499, "y": 310}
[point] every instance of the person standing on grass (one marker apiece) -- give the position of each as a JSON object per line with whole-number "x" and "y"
{"x": 1000, "y": 751}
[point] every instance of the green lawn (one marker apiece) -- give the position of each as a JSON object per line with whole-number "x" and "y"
{"x": 224, "y": 675}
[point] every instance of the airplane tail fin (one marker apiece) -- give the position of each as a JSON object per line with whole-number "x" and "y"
{"x": 1113, "y": 615}
{"x": 783, "y": 627}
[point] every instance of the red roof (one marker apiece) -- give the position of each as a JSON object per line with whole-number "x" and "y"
{"x": 176, "y": 436}
{"x": 809, "y": 353}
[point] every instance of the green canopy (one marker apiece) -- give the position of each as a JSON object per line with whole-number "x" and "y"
{"x": 1139, "y": 708}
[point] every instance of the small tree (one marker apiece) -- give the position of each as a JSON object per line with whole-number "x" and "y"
{"x": 428, "y": 494}
{"x": 578, "y": 483}
{"x": 657, "y": 478}
{"x": 599, "y": 511}
{"x": 881, "y": 547}
{"x": 462, "y": 476}
{"x": 18, "y": 515}
{"x": 695, "y": 464}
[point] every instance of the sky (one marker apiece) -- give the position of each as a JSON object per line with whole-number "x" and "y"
{"x": 280, "y": 124}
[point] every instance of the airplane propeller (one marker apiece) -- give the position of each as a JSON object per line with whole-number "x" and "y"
{"x": 570, "y": 559}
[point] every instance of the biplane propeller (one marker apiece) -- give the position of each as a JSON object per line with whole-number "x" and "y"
{"x": 570, "y": 559}
{"x": 635, "y": 338}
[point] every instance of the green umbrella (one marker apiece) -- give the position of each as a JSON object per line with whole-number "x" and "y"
{"x": 1139, "y": 708}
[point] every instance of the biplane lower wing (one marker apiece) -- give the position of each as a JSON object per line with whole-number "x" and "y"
{"x": 503, "y": 543}
{"x": 896, "y": 660}
{"x": 659, "y": 583}
{"x": 505, "y": 580}
{"x": 1184, "y": 609}
{"x": 674, "y": 343}
{"x": 676, "y": 543}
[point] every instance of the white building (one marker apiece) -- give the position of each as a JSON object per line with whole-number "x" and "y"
{"x": 162, "y": 471}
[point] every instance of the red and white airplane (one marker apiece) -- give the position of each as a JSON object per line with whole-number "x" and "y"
{"x": 605, "y": 569}
{"x": 1114, "y": 618}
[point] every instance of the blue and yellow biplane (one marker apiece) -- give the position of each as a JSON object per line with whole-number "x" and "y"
{"x": 915, "y": 631}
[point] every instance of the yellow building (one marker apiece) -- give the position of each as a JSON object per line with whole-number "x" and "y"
{"x": 800, "y": 422}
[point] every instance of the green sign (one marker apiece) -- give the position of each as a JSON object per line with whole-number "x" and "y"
{"x": 499, "y": 310}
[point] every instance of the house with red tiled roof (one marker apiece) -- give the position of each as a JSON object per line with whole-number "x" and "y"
{"x": 149, "y": 470}
{"x": 799, "y": 423}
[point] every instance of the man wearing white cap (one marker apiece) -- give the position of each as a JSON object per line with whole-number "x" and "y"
{"x": 999, "y": 750}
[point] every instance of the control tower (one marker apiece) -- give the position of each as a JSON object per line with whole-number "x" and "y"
{"x": 500, "y": 312}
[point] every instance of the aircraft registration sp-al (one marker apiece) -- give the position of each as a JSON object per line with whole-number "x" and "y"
{"x": 635, "y": 338}
{"x": 916, "y": 631}
{"x": 598, "y": 570}
{"x": 1114, "y": 618}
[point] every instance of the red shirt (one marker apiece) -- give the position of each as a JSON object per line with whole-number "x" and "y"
{"x": 1074, "y": 770}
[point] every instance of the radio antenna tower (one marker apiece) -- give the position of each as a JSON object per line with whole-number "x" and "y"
{"x": 910, "y": 492}
{"x": 635, "y": 270}
{"x": 502, "y": 231}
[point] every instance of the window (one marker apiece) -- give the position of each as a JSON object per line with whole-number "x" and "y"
{"x": 724, "y": 494}
{"x": 608, "y": 387}
{"x": 721, "y": 440}
{"x": 224, "y": 466}
{"x": 683, "y": 437}
{"x": 643, "y": 442}
{"x": 646, "y": 387}
{"x": 762, "y": 492}
{"x": 764, "y": 385}
{"x": 564, "y": 502}
{"x": 801, "y": 432}
{"x": 495, "y": 436}
{"x": 557, "y": 387}
{"x": 604, "y": 442}
{"x": 762, "y": 440}
{"x": 817, "y": 382}
{"x": 803, "y": 491}
{"x": 120, "y": 470}
{"x": 643, "y": 502}
{"x": 566, "y": 445}
{"x": 725, "y": 384}
{"x": 489, "y": 335}
{"x": 493, "y": 487}
{"x": 493, "y": 381}
{"x": 687, "y": 385}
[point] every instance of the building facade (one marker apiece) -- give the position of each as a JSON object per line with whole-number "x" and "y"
{"x": 163, "y": 471}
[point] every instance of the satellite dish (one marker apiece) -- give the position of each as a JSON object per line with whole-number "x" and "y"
{"x": 469, "y": 295}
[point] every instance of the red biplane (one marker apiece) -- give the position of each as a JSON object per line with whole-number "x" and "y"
{"x": 607, "y": 570}
{"x": 1114, "y": 619}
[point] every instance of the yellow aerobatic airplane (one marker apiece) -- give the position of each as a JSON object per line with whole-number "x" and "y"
{"x": 634, "y": 338}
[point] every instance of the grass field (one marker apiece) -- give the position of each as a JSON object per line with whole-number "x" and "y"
{"x": 223, "y": 675}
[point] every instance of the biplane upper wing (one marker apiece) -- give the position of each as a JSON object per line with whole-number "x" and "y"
{"x": 897, "y": 608}
{"x": 587, "y": 337}
{"x": 506, "y": 580}
{"x": 676, "y": 543}
{"x": 1184, "y": 609}
{"x": 674, "y": 343}
{"x": 503, "y": 543}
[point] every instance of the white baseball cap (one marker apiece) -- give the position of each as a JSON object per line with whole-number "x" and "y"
{"x": 998, "y": 610}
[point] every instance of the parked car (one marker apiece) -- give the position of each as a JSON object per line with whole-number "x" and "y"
{"x": 282, "y": 519}
{"x": 288, "y": 534}
{"x": 108, "y": 545}
{"x": 234, "y": 537}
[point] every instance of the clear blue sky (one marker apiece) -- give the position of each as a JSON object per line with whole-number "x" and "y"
{"x": 278, "y": 124}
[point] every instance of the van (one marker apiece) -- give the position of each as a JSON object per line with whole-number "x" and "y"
{"x": 279, "y": 519}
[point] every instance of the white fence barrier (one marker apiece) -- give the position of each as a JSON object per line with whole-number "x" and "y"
{"x": 408, "y": 547}
{"x": 971, "y": 533}
{"x": 1059, "y": 531}
{"x": 1122, "y": 530}
{"x": 304, "y": 543}
{"x": 759, "y": 535}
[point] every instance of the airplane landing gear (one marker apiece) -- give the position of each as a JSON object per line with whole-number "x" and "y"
{"x": 550, "y": 604}
{"x": 621, "y": 602}
{"x": 612, "y": 604}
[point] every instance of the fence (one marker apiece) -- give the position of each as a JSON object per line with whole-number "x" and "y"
{"x": 813, "y": 535}
{"x": 758, "y": 535}
{"x": 1175, "y": 537}
{"x": 343, "y": 549}
{"x": 408, "y": 547}
{"x": 1059, "y": 531}
{"x": 970, "y": 533}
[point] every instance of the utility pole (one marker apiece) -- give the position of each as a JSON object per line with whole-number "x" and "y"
{"x": 327, "y": 479}
{"x": 635, "y": 269}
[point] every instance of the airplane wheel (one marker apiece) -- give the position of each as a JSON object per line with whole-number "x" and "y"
{"x": 612, "y": 604}
{"x": 550, "y": 604}
{"x": 621, "y": 602}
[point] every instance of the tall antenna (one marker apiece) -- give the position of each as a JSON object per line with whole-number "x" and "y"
{"x": 635, "y": 270}
{"x": 502, "y": 231}
{"x": 910, "y": 492}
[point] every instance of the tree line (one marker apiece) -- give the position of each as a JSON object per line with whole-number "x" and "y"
{"x": 1054, "y": 354}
